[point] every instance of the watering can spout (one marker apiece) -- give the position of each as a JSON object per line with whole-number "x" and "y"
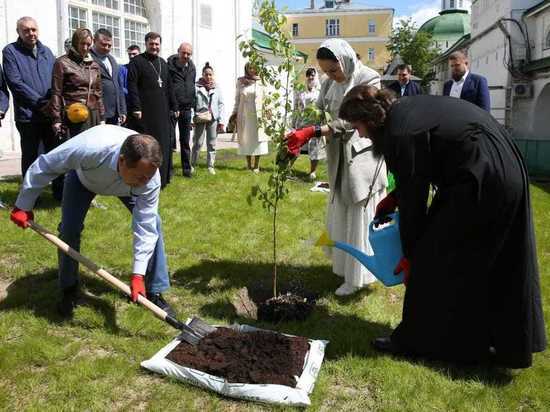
{"x": 385, "y": 241}
{"x": 324, "y": 240}
{"x": 368, "y": 261}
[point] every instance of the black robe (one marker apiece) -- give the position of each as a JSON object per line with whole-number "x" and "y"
{"x": 154, "y": 102}
{"x": 474, "y": 281}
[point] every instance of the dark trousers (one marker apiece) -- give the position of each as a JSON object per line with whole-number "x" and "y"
{"x": 112, "y": 120}
{"x": 76, "y": 202}
{"x": 184, "y": 124}
{"x": 31, "y": 136}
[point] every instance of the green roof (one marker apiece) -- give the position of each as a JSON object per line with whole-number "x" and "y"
{"x": 263, "y": 41}
{"x": 448, "y": 25}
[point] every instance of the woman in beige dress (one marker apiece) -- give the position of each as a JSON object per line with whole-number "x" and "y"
{"x": 253, "y": 142}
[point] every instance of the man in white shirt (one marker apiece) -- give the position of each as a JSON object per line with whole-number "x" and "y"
{"x": 466, "y": 85}
{"x": 106, "y": 160}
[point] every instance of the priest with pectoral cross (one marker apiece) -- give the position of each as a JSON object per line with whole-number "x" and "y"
{"x": 151, "y": 98}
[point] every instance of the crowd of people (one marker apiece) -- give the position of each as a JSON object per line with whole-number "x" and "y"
{"x": 469, "y": 258}
{"x": 58, "y": 98}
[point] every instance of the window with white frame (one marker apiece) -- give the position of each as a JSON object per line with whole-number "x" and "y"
{"x": 332, "y": 27}
{"x": 452, "y": 4}
{"x": 295, "y": 32}
{"x": 206, "y": 16}
{"x": 78, "y": 17}
{"x": 110, "y": 4}
{"x": 135, "y": 7}
{"x": 111, "y": 23}
{"x": 134, "y": 33}
{"x": 125, "y": 19}
{"x": 372, "y": 54}
{"x": 547, "y": 40}
{"x": 372, "y": 26}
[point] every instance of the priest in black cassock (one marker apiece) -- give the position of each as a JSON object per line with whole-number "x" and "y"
{"x": 151, "y": 98}
{"x": 473, "y": 290}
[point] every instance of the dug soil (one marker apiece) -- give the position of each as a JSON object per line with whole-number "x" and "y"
{"x": 295, "y": 303}
{"x": 251, "y": 357}
{"x": 285, "y": 308}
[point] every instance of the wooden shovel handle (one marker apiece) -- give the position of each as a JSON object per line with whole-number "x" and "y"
{"x": 102, "y": 273}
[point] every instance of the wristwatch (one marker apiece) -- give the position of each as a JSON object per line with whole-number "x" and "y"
{"x": 317, "y": 131}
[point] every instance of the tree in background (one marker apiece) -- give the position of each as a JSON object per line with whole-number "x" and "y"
{"x": 415, "y": 48}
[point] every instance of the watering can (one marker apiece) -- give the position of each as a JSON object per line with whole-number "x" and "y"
{"x": 386, "y": 244}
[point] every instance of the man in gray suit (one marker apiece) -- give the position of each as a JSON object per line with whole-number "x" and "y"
{"x": 113, "y": 94}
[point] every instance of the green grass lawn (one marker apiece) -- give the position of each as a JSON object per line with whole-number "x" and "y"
{"x": 217, "y": 244}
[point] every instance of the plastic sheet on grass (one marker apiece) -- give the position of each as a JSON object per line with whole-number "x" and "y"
{"x": 278, "y": 394}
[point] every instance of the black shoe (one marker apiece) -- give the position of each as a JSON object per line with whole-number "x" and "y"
{"x": 187, "y": 173}
{"x": 158, "y": 300}
{"x": 68, "y": 302}
{"x": 385, "y": 345}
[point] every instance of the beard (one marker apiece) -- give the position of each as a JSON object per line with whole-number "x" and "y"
{"x": 457, "y": 76}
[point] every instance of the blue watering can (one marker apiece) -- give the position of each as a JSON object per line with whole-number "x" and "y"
{"x": 386, "y": 244}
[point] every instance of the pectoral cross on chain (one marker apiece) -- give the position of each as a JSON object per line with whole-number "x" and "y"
{"x": 160, "y": 82}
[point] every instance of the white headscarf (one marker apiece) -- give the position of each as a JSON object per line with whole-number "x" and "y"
{"x": 354, "y": 71}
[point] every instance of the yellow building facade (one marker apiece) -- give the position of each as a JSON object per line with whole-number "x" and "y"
{"x": 367, "y": 30}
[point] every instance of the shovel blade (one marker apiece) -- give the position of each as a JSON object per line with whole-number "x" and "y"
{"x": 200, "y": 327}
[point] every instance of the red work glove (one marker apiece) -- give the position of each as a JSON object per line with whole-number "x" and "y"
{"x": 137, "y": 286}
{"x": 405, "y": 267}
{"x": 298, "y": 138}
{"x": 386, "y": 206}
{"x": 21, "y": 217}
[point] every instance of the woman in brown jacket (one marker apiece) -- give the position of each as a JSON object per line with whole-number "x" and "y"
{"x": 76, "y": 79}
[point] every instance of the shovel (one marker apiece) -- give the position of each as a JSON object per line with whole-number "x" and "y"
{"x": 192, "y": 333}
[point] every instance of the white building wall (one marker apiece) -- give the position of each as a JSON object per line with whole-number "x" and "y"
{"x": 489, "y": 55}
{"x": 175, "y": 20}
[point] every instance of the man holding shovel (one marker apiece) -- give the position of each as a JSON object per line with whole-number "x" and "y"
{"x": 106, "y": 160}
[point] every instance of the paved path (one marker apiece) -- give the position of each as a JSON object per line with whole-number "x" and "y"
{"x": 10, "y": 165}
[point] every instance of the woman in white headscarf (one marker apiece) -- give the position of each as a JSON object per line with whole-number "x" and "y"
{"x": 354, "y": 171}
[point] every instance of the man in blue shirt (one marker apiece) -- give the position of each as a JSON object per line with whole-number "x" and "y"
{"x": 4, "y": 97}
{"x": 28, "y": 66}
{"x": 106, "y": 160}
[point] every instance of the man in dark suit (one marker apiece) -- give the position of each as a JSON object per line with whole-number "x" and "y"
{"x": 405, "y": 86}
{"x": 4, "y": 97}
{"x": 113, "y": 94}
{"x": 466, "y": 85}
{"x": 28, "y": 67}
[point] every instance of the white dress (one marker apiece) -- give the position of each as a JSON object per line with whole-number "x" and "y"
{"x": 252, "y": 142}
{"x": 348, "y": 221}
{"x": 316, "y": 145}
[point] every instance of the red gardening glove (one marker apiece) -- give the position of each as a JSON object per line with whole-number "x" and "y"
{"x": 21, "y": 217}
{"x": 137, "y": 286}
{"x": 405, "y": 267}
{"x": 298, "y": 138}
{"x": 386, "y": 206}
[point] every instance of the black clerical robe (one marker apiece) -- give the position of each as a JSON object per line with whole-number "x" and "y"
{"x": 150, "y": 92}
{"x": 474, "y": 282}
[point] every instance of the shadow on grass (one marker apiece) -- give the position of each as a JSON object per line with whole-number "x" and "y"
{"x": 46, "y": 201}
{"x": 488, "y": 374}
{"x": 39, "y": 293}
{"x": 213, "y": 276}
{"x": 543, "y": 185}
{"x": 348, "y": 334}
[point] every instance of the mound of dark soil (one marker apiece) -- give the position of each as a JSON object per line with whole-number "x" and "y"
{"x": 252, "y": 357}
